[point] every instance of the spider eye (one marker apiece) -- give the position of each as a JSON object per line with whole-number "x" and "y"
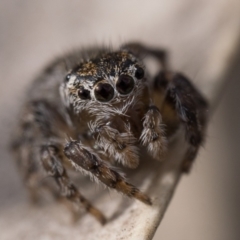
{"x": 67, "y": 78}
{"x": 104, "y": 92}
{"x": 125, "y": 84}
{"x": 84, "y": 93}
{"x": 139, "y": 73}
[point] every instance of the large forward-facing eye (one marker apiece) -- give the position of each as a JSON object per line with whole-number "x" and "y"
{"x": 104, "y": 92}
{"x": 125, "y": 84}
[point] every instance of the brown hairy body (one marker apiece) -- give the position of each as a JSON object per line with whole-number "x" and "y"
{"x": 92, "y": 108}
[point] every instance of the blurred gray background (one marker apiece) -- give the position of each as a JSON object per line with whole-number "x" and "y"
{"x": 206, "y": 203}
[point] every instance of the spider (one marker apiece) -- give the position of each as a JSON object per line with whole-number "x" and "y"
{"x": 107, "y": 106}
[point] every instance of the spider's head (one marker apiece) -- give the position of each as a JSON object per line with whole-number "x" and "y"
{"x": 110, "y": 82}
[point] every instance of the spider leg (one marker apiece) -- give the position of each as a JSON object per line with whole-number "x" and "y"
{"x": 40, "y": 127}
{"x": 183, "y": 103}
{"x": 120, "y": 146}
{"x": 84, "y": 159}
{"x": 52, "y": 163}
{"x": 153, "y": 135}
{"x": 25, "y": 150}
{"x": 142, "y": 51}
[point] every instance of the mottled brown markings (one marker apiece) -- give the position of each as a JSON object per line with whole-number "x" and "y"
{"x": 51, "y": 162}
{"x": 87, "y": 69}
{"x": 104, "y": 64}
{"x": 145, "y": 117}
{"x": 111, "y": 178}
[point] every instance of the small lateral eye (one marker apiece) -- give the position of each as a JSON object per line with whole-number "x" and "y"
{"x": 125, "y": 84}
{"x": 67, "y": 78}
{"x": 139, "y": 73}
{"x": 104, "y": 92}
{"x": 84, "y": 93}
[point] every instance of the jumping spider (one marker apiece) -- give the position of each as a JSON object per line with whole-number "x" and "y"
{"x": 107, "y": 106}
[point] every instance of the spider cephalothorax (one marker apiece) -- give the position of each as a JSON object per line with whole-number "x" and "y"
{"x": 108, "y": 84}
{"x": 107, "y": 106}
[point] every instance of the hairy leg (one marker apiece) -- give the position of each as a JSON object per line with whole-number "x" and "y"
{"x": 84, "y": 159}
{"x": 41, "y": 125}
{"x": 24, "y": 147}
{"x": 179, "y": 101}
{"x": 153, "y": 135}
{"x": 183, "y": 104}
{"x": 52, "y": 164}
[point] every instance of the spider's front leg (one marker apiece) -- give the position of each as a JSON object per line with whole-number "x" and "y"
{"x": 52, "y": 163}
{"x": 153, "y": 135}
{"x": 37, "y": 153}
{"x": 84, "y": 159}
